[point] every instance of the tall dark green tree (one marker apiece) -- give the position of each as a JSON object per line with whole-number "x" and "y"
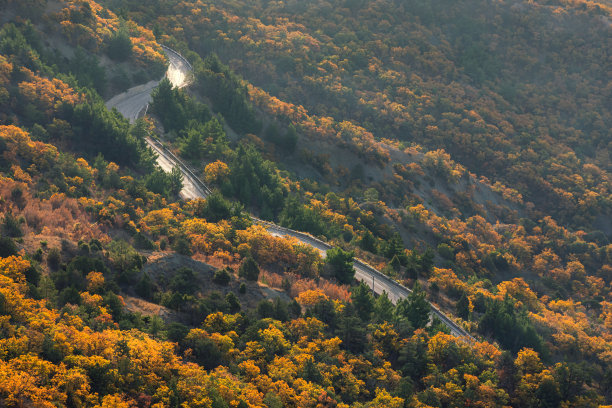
{"x": 176, "y": 180}
{"x": 192, "y": 145}
{"x": 120, "y": 45}
{"x": 95, "y": 130}
{"x": 173, "y": 108}
{"x": 511, "y": 327}
{"x": 254, "y": 181}
{"x": 394, "y": 246}
{"x": 427, "y": 261}
{"x": 215, "y": 208}
{"x": 228, "y": 94}
{"x": 311, "y": 372}
{"x": 249, "y": 269}
{"x": 363, "y": 302}
{"x": 145, "y": 286}
{"x": 414, "y": 308}
{"x": 413, "y": 359}
{"x": 87, "y": 70}
{"x": 367, "y": 242}
{"x": 325, "y": 311}
{"x": 463, "y": 307}
{"x": 184, "y": 281}
{"x": 351, "y": 330}
{"x": 233, "y": 302}
{"x": 11, "y": 225}
{"x": 160, "y": 182}
{"x": 296, "y": 215}
{"x": 383, "y": 308}
{"x": 340, "y": 263}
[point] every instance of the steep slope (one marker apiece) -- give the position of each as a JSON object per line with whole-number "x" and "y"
{"x": 527, "y": 107}
{"x": 79, "y": 233}
{"x": 517, "y": 210}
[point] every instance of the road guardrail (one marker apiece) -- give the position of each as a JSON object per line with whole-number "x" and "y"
{"x": 304, "y": 236}
{"x": 168, "y": 49}
{"x": 373, "y": 272}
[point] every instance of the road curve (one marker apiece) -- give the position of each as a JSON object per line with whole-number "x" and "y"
{"x": 134, "y": 102}
{"x": 179, "y": 69}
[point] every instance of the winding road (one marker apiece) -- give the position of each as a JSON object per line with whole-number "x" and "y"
{"x": 134, "y": 102}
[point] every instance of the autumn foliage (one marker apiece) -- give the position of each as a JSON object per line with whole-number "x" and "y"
{"x": 473, "y": 170}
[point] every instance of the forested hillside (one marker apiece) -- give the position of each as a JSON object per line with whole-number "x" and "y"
{"x": 518, "y": 92}
{"x": 462, "y": 148}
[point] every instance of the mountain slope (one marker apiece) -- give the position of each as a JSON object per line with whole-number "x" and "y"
{"x": 88, "y": 219}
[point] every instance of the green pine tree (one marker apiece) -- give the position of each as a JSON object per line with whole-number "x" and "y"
{"x": 249, "y": 269}
{"x": 363, "y": 301}
{"x": 463, "y": 307}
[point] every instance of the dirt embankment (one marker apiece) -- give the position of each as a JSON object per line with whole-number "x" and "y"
{"x": 162, "y": 266}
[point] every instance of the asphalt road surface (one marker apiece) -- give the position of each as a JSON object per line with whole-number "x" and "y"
{"x": 133, "y": 103}
{"x": 179, "y": 69}
{"x": 192, "y": 187}
{"x": 374, "y": 279}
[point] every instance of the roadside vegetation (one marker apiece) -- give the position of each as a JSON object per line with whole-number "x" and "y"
{"x": 87, "y": 218}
